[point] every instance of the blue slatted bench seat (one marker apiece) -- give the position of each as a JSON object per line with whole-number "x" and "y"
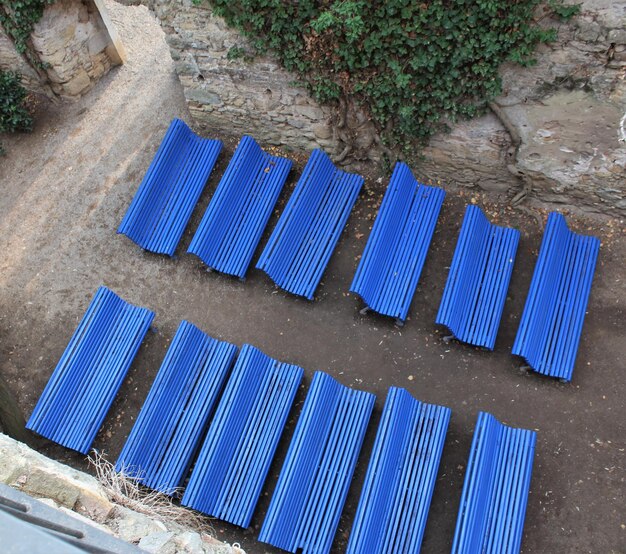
{"x": 162, "y": 206}
{"x": 473, "y": 299}
{"x": 175, "y": 415}
{"x": 396, "y": 249}
{"x": 307, "y": 232}
{"x": 313, "y": 483}
{"x": 495, "y": 491}
{"x": 552, "y": 321}
{"x": 400, "y": 479}
{"x": 240, "y": 209}
{"x": 228, "y": 475}
{"x": 83, "y": 385}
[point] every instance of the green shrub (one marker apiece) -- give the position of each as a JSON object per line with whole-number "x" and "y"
{"x": 13, "y": 113}
{"x": 412, "y": 66}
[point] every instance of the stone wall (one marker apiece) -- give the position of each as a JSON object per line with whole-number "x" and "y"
{"x": 558, "y": 131}
{"x": 74, "y": 46}
{"x": 567, "y": 115}
{"x": 82, "y": 496}
{"x": 239, "y": 95}
{"x": 11, "y": 60}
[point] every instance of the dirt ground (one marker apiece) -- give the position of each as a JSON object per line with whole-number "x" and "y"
{"x": 66, "y": 187}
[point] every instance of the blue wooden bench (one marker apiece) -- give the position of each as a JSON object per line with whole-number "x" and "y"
{"x": 495, "y": 491}
{"x": 401, "y": 476}
{"x": 240, "y": 209}
{"x": 175, "y": 415}
{"x": 162, "y": 206}
{"x": 81, "y": 388}
{"x": 307, "y": 232}
{"x": 396, "y": 249}
{"x": 552, "y": 321}
{"x": 473, "y": 300}
{"x": 313, "y": 483}
{"x": 228, "y": 475}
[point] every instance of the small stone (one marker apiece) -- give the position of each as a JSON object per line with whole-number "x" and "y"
{"x": 132, "y": 526}
{"x": 160, "y": 542}
{"x": 617, "y": 36}
{"x": 189, "y": 542}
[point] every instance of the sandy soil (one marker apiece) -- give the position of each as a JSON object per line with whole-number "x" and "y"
{"x": 65, "y": 188}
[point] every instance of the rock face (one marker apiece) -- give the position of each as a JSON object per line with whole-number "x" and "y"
{"x": 82, "y": 496}
{"x": 564, "y": 116}
{"x": 74, "y": 46}
{"x": 227, "y": 91}
{"x": 11, "y": 60}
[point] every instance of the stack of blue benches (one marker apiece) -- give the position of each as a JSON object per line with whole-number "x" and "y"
{"x": 552, "y": 321}
{"x": 161, "y": 208}
{"x": 307, "y": 232}
{"x": 245, "y": 419}
{"x": 240, "y": 209}
{"x": 82, "y": 387}
{"x": 396, "y": 249}
{"x": 473, "y": 300}
{"x": 220, "y": 415}
{"x": 170, "y": 425}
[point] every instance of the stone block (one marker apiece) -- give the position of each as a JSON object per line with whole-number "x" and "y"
{"x": 78, "y": 84}
{"x": 132, "y": 526}
{"x": 617, "y": 36}
{"x": 160, "y": 542}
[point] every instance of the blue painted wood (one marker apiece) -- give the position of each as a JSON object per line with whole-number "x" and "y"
{"x": 307, "y": 232}
{"x": 495, "y": 491}
{"x": 162, "y": 206}
{"x": 175, "y": 415}
{"x": 240, "y": 209}
{"x": 401, "y": 476}
{"x": 396, "y": 249}
{"x": 83, "y": 385}
{"x": 552, "y": 321}
{"x": 227, "y": 478}
{"x": 473, "y": 300}
{"x": 314, "y": 480}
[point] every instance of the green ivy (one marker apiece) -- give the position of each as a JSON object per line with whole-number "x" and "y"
{"x": 18, "y": 17}
{"x": 413, "y": 66}
{"x": 14, "y": 115}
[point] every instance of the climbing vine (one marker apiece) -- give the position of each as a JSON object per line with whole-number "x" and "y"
{"x": 18, "y": 17}
{"x": 411, "y": 66}
{"x": 14, "y": 115}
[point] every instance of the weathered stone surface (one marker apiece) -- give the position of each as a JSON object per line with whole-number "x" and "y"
{"x": 571, "y": 148}
{"x": 258, "y": 97}
{"x": 29, "y": 471}
{"x": 132, "y": 526}
{"x": 160, "y": 542}
{"x": 74, "y": 46}
{"x": 239, "y": 95}
{"x": 11, "y": 60}
{"x": 472, "y": 154}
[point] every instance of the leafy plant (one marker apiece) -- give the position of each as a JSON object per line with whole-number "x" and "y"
{"x": 18, "y": 17}
{"x": 412, "y": 66}
{"x": 13, "y": 113}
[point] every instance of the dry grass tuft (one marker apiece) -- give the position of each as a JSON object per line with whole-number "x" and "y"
{"x": 129, "y": 492}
